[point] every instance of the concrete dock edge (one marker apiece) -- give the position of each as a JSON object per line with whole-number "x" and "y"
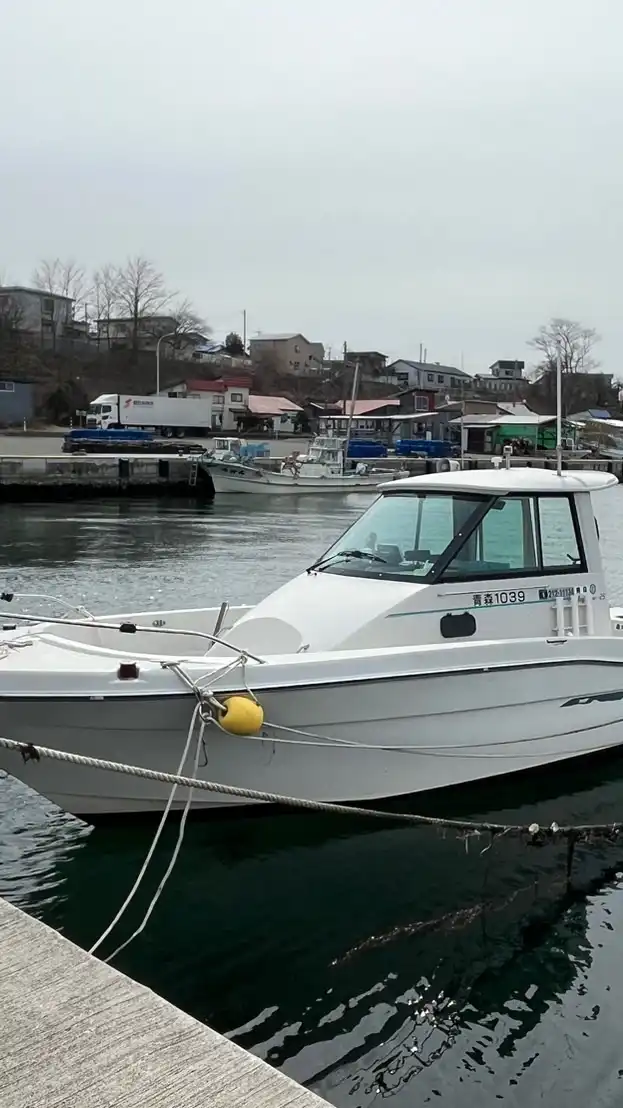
{"x": 74, "y": 1031}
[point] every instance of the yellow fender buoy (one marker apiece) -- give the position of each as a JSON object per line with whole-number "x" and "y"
{"x": 241, "y": 716}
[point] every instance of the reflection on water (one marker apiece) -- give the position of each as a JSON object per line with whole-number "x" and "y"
{"x": 372, "y": 962}
{"x": 122, "y": 553}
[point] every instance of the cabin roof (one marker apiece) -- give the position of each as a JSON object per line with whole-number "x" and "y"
{"x": 500, "y": 419}
{"x": 499, "y": 482}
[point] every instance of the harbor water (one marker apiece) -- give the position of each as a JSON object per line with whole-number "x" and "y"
{"x": 374, "y": 963}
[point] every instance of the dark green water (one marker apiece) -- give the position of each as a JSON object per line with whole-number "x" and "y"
{"x": 371, "y": 962}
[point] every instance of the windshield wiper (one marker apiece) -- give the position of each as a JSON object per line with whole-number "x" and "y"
{"x": 322, "y": 562}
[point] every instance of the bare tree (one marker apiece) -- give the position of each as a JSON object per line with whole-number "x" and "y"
{"x": 63, "y": 278}
{"x": 105, "y": 296}
{"x": 574, "y": 341}
{"x": 186, "y": 323}
{"x": 141, "y": 293}
{"x": 187, "y": 320}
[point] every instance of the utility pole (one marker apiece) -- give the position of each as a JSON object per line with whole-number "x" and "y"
{"x": 344, "y": 368}
{"x": 244, "y": 329}
{"x": 558, "y": 409}
{"x": 170, "y": 335}
{"x": 462, "y": 424}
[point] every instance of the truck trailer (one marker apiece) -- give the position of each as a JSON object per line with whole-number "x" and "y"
{"x": 171, "y": 416}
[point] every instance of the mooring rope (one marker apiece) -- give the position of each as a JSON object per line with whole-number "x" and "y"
{"x": 533, "y": 832}
{"x": 154, "y": 843}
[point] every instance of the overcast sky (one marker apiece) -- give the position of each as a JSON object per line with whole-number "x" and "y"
{"x": 386, "y": 172}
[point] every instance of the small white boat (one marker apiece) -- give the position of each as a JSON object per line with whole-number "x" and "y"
{"x": 321, "y": 470}
{"x": 226, "y": 448}
{"x": 457, "y": 631}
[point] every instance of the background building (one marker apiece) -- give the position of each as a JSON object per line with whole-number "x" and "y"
{"x": 43, "y": 317}
{"x": 275, "y": 413}
{"x": 287, "y": 353}
{"x": 506, "y": 378}
{"x": 17, "y": 402}
{"x": 229, "y": 398}
{"x": 428, "y": 375}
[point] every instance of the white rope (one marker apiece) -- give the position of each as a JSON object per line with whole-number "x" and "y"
{"x": 197, "y": 686}
{"x": 150, "y": 853}
{"x": 437, "y": 751}
{"x": 178, "y": 846}
{"x": 30, "y": 751}
{"x": 7, "y": 646}
{"x": 313, "y": 738}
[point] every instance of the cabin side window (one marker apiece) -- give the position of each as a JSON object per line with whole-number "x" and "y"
{"x": 520, "y": 535}
{"x": 559, "y": 540}
{"x": 504, "y": 542}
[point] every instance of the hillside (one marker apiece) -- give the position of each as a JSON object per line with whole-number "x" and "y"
{"x": 68, "y": 381}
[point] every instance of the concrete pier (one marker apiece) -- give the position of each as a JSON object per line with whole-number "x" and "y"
{"x": 52, "y": 477}
{"x": 77, "y": 1032}
{"x": 71, "y": 476}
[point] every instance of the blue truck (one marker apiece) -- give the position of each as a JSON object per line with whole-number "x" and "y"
{"x": 426, "y": 448}
{"x": 97, "y": 440}
{"x": 366, "y": 448}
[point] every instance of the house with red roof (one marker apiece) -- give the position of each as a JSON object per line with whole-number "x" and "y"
{"x": 229, "y": 398}
{"x": 234, "y": 405}
{"x": 276, "y": 411}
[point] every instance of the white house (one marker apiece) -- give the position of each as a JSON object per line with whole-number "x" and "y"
{"x": 408, "y": 374}
{"x": 43, "y": 316}
{"x": 505, "y": 379}
{"x": 229, "y": 399}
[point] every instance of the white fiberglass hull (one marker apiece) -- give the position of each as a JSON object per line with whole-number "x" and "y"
{"x": 478, "y": 719}
{"x": 230, "y": 479}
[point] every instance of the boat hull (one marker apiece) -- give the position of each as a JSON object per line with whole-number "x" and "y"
{"x": 454, "y": 728}
{"x": 228, "y": 479}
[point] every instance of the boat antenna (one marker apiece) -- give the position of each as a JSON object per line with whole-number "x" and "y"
{"x": 351, "y": 413}
{"x": 558, "y": 409}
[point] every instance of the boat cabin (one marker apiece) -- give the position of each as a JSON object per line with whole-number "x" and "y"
{"x": 224, "y": 448}
{"x": 458, "y": 556}
{"x": 324, "y": 456}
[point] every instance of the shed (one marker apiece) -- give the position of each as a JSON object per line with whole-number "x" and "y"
{"x": 484, "y": 434}
{"x": 17, "y": 402}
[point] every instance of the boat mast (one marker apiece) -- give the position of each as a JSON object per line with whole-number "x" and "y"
{"x": 558, "y": 410}
{"x": 351, "y": 412}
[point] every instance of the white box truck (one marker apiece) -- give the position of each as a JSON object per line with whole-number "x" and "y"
{"x": 172, "y": 416}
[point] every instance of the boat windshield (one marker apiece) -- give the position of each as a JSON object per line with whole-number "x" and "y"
{"x": 459, "y": 536}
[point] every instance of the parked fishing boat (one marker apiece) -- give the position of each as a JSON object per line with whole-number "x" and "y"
{"x": 325, "y": 468}
{"x": 321, "y": 470}
{"x": 458, "y": 630}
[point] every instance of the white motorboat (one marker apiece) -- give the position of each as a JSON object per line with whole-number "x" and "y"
{"x": 457, "y": 631}
{"x": 321, "y": 470}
